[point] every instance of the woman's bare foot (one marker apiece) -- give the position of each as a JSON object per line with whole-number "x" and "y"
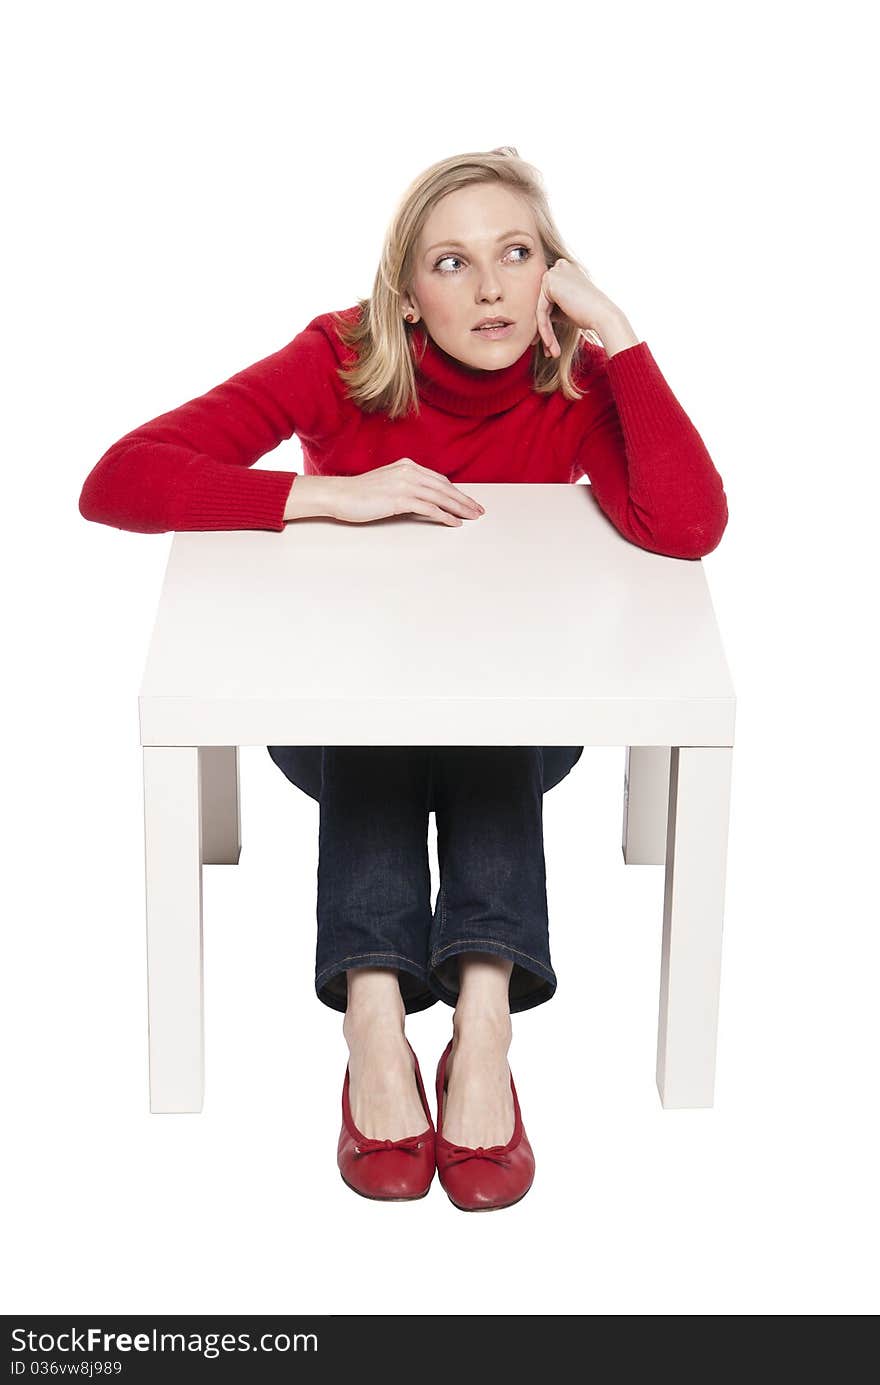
{"x": 384, "y": 1098}
{"x": 478, "y": 1106}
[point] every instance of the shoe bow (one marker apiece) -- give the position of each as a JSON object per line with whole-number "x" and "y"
{"x": 411, "y": 1143}
{"x": 459, "y": 1153}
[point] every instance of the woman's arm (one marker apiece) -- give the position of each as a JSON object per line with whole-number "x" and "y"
{"x": 190, "y": 468}
{"x": 647, "y": 465}
{"x": 310, "y": 497}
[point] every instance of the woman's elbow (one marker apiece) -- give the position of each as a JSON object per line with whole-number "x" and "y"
{"x": 696, "y": 541}
{"x": 120, "y": 493}
{"x": 89, "y": 506}
{"x": 92, "y": 500}
{"x": 691, "y": 539}
{"x": 100, "y": 508}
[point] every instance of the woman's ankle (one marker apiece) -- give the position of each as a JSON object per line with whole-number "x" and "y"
{"x": 375, "y": 1004}
{"x": 481, "y": 1026}
{"x": 482, "y": 1012}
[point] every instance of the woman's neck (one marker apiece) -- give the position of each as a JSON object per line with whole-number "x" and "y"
{"x": 447, "y": 383}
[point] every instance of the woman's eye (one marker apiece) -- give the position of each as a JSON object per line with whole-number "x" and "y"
{"x": 443, "y": 258}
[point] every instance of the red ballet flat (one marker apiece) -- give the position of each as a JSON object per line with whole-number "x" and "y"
{"x": 482, "y": 1180}
{"x": 388, "y": 1170}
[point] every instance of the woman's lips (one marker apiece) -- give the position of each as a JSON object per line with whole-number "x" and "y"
{"x": 493, "y": 333}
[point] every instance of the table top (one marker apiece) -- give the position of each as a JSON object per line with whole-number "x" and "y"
{"x": 537, "y": 623}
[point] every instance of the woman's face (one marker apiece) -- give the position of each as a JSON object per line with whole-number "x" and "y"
{"x": 479, "y": 256}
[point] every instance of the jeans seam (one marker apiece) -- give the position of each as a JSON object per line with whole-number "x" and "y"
{"x": 359, "y": 956}
{"x": 475, "y": 943}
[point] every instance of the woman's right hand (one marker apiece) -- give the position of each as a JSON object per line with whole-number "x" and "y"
{"x": 400, "y": 488}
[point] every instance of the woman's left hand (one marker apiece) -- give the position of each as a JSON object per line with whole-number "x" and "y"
{"x": 568, "y": 288}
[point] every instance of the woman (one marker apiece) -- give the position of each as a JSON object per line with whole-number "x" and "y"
{"x": 394, "y": 402}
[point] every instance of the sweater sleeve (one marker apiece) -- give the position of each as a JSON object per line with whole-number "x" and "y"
{"x": 647, "y": 465}
{"x": 189, "y": 469}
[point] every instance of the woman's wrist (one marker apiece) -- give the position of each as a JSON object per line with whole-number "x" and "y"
{"x": 309, "y": 497}
{"x": 617, "y": 334}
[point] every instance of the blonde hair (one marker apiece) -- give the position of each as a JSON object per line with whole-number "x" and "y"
{"x": 383, "y": 375}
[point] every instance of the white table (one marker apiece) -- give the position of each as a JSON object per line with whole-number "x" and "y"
{"x": 537, "y": 624}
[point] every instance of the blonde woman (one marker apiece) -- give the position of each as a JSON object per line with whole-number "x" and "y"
{"x": 485, "y": 353}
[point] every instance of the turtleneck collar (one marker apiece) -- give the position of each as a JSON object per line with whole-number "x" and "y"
{"x": 449, "y": 384}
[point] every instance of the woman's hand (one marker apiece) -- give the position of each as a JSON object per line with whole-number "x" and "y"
{"x": 567, "y": 288}
{"x": 400, "y": 488}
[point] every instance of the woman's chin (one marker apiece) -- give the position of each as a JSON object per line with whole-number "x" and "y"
{"x": 494, "y": 353}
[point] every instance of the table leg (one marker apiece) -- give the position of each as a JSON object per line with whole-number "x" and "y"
{"x": 172, "y": 785}
{"x": 645, "y": 800}
{"x": 221, "y": 813}
{"x": 693, "y": 908}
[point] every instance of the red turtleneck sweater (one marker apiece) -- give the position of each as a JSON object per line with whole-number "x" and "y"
{"x": 193, "y": 468}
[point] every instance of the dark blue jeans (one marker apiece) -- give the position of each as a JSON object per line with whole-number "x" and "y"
{"x": 374, "y": 879}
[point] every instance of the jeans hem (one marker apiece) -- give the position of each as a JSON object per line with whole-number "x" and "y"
{"x": 414, "y": 998}
{"x": 531, "y": 982}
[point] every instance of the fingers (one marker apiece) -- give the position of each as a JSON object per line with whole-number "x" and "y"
{"x": 542, "y": 318}
{"x": 551, "y": 345}
{"x": 451, "y": 498}
{"x": 423, "y": 491}
{"x": 460, "y": 503}
{"x": 424, "y": 507}
{"x": 545, "y": 326}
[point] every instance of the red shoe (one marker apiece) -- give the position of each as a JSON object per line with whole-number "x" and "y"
{"x": 481, "y": 1180}
{"x": 389, "y": 1170}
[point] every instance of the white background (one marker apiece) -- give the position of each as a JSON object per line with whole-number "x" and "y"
{"x": 187, "y": 185}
